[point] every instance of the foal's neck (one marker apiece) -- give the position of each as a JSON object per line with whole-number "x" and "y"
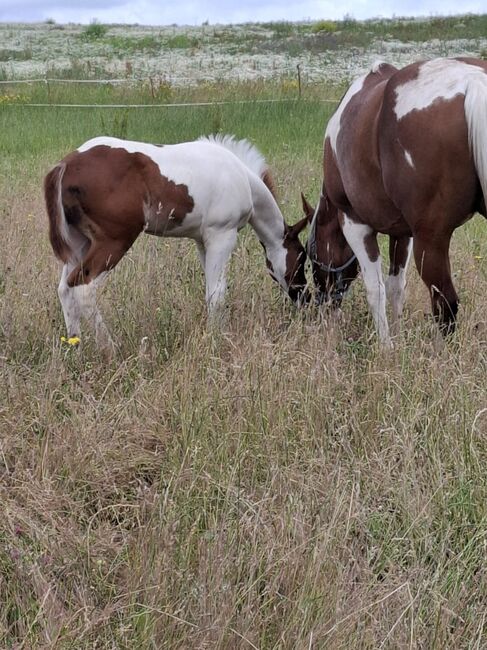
{"x": 270, "y": 228}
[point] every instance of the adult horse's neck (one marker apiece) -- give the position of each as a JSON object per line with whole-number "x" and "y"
{"x": 326, "y": 238}
{"x": 326, "y": 213}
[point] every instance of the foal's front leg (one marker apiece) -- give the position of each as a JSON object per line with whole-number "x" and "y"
{"x": 218, "y": 248}
{"x": 363, "y": 241}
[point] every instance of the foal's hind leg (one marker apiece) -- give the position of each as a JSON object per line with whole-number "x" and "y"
{"x": 218, "y": 248}
{"x": 71, "y": 302}
{"x": 363, "y": 241}
{"x": 79, "y": 285}
{"x": 399, "y": 255}
{"x": 80, "y": 302}
{"x": 433, "y": 264}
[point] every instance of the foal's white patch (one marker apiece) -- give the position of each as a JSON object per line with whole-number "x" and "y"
{"x": 333, "y": 127}
{"x": 437, "y": 79}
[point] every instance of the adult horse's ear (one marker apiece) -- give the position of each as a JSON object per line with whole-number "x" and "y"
{"x": 294, "y": 230}
{"x": 307, "y": 208}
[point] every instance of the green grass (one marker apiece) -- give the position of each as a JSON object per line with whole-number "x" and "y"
{"x": 130, "y": 44}
{"x": 283, "y": 485}
{"x": 94, "y": 31}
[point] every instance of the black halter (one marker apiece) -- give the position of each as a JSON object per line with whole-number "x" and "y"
{"x": 339, "y": 284}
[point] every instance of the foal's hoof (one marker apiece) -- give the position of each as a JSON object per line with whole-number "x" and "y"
{"x": 386, "y": 344}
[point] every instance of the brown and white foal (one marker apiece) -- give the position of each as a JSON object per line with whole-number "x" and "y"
{"x": 405, "y": 154}
{"x": 103, "y": 195}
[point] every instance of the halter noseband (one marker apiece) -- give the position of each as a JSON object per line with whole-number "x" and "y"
{"x": 339, "y": 288}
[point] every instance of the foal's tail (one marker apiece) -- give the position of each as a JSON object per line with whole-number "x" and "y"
{"x": 58, "y": 226}
{"x": 476, "y": 115}
{"x": 246, "y": 153}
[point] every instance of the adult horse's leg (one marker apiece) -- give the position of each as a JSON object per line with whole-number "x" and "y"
{"x": 399, "y": 256}
{"x": 433, "y": 264}
{"x": 363, "y": 241}
{"x": 218, "y": 248}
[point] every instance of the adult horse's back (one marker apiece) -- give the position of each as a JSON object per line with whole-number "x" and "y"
{"x": 406, "y": 155}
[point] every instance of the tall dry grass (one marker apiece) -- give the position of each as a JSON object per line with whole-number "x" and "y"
{"x": 285, "y": 484}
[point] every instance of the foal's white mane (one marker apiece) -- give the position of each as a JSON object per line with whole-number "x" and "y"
{"x": 243, "y": 149}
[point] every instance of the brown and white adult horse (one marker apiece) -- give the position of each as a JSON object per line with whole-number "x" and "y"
{"x": 100, "y": 197}
{"x": 405, "y": 154}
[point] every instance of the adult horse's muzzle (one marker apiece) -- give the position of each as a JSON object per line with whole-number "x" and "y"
{"x": 300, "y": 295}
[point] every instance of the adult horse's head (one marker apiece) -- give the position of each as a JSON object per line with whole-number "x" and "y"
{"x": 334, "y": 264}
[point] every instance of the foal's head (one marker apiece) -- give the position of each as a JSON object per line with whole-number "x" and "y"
{"x": 333, "y": 262}
{"x": 295, "y": 263}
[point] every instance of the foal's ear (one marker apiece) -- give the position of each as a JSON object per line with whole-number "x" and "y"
{"x": 307, "y": 208}
{"x": 294, "y": 230}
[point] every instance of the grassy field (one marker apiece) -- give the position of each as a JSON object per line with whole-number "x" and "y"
{"x": 283, "y": 485}
{"x": 185, "y": 55}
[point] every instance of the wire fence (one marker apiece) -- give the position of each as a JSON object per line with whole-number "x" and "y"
{"x": 173, "y": 105}
{"x": 54, "y": 80}
{"x": 47, "y": 81}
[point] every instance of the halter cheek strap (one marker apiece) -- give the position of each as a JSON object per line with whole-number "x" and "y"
{"x": 334, "y": 269}
{"x": 313, "y": 256}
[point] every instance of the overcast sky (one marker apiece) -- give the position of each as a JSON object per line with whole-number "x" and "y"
{"x": 192, "y": 12}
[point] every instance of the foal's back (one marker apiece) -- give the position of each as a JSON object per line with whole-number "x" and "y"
{"x": 171, "y": 190}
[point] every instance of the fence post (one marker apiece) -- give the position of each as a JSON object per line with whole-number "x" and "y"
{"x": 299, "y": 80}
{"x": 48, "y": 90}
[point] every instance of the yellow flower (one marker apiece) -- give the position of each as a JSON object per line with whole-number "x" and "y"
{"x": 477, "y": 257}
{"x": 73, "y": 340}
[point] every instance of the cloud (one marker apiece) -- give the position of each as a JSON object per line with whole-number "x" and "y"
{"x": 191, "y": 12}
